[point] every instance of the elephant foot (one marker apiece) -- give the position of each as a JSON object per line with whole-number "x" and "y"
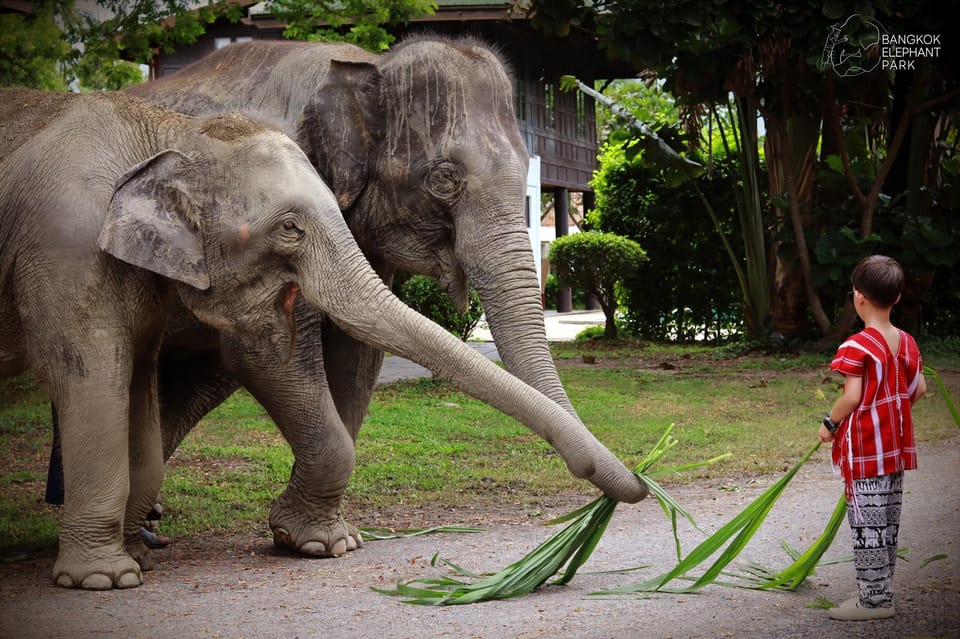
{"x": 317, "y": 537}
{"x": 112, "y": 570}
{"x": 137, "y": 549}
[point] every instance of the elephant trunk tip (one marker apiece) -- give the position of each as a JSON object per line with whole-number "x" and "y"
{"x": 618, "y": 483}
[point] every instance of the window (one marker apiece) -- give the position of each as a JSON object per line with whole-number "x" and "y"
{"x": 581, "y": 121}
{"x": 520, "y": 98}
{"x": 549, "y": 105}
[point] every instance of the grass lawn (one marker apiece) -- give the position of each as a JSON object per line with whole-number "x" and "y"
{"x": 426, "y": 445}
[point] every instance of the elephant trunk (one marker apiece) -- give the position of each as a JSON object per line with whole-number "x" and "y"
{"x": 359, "y": 302}
{"x": 514, "y": 311}
{"x": 499, "y": 264}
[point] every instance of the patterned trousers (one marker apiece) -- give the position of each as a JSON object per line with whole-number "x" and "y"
{"x": 875, "y": 536}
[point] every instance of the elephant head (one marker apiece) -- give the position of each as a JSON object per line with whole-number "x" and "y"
{"x": 423, "y": 152}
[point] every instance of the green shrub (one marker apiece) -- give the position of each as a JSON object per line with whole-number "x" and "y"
{"x": 595, "y": 262}
{"x": 551, "y": 295}
{"x": 687, "y": 288}
{"x": 425, "y": 295}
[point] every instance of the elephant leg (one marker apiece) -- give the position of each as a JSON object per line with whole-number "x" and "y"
{"x": 306, "y": 516}
{"x": 190, "y": 386}
{"x": 352, "y": 371}
{"x": 146, "y": 455}
{"x": 92, "y": 407}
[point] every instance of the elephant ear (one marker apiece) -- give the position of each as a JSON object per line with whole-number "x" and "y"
{"x": 341, "y": 127}
{"x": 153, "y": 223}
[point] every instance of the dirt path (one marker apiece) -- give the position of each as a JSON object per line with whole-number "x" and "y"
{"x": 240, "y": 587}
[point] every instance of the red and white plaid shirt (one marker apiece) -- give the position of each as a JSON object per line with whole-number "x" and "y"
{"x": 877, "y": 437}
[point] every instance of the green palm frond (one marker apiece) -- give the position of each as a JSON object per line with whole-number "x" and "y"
{"x": 946, "y": 394}
{"x": 740, "y": 529}
{"x": 804, "y": 564}
{"x": 571, "y": 547}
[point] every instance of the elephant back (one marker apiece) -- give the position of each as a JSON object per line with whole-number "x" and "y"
{"x": 26, "y": 112}
{"x": 267, "y": 79}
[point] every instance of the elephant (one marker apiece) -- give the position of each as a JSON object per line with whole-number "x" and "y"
{"x": 118, "y": 214}
{"x": 422, "y": 149}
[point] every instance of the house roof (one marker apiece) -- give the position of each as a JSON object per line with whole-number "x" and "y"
{"x": 16, "y": 6}
{"x": 447, "y": 10}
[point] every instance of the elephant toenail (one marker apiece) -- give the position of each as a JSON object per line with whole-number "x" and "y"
{"x": 129, "y": 580}
{"x": 97, "y": 582}
{"x": 314, "y": 548}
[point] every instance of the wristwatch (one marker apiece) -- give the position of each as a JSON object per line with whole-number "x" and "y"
{"x": 831, "y": 425}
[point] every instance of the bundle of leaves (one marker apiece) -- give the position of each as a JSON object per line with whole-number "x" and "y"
{"x": 741, "y": 529}
{"x": 571, "y": 547}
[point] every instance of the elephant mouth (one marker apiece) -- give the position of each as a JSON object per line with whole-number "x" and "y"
{"x": 456, "y": 289}
{"x": 453, "y": 280}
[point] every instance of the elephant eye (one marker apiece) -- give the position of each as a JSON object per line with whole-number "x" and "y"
{"x": 290, "y": 229}
{"x": 444, "y": 181}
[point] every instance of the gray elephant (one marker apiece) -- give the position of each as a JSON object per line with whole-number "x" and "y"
{"x": 422, "y": 149}
{"x": 117, "y": 214}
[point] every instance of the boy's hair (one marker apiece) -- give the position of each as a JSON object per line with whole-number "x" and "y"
{"x": 880, "y": 279}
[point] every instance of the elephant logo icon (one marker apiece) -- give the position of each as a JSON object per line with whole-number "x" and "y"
{"x": 853, "y": 46}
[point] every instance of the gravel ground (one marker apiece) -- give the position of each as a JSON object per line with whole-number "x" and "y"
{"x": 239, "y": 586}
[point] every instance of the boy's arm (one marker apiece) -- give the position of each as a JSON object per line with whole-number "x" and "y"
{"x": 845, "y": 404}
{"x": 921, "y": 387}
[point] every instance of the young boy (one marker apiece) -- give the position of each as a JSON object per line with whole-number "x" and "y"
{"x": 871, "y": 428}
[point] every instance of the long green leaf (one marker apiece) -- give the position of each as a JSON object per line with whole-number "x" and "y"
{"x": 744, "y": 525}
{"x": 803, "y": 566}
{"x": 946, "y": 394}
{"x": 572, "y": 546}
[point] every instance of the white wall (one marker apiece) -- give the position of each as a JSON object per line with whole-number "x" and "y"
{"x": 533, "y": 210}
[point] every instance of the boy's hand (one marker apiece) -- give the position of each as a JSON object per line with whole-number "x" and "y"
{"x": 825, "y": 435}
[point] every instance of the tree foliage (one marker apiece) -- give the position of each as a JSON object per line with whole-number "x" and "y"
{"x": 30, "y": 47}
{"x": 685, "y": 289}
{"x": 58, "y": 44}
{"x": 644, "y": 99}
{"x": 361, "y": 22}
{"x": 595, "y": 262}
{"x": 864, "y": 151}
